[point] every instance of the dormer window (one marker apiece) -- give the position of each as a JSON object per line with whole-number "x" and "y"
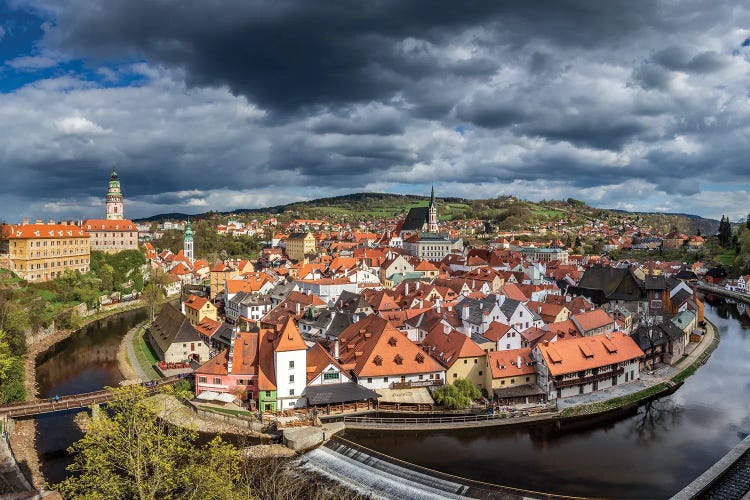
{"x": 420, "y": 357}
{"x": 392, "y": 341}
{"x": 398, "y": 359}
{"x": 378, "y": 360}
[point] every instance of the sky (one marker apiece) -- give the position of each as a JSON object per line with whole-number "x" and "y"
{"x": 216, "y": 105}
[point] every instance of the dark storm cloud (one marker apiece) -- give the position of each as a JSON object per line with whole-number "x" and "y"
{"x": 680, "y": 59}
{"x": 287, "y": 55}
{"x": 298, "y": 97}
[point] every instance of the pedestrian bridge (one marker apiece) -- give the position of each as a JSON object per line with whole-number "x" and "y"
{"x": 73, "y": 401}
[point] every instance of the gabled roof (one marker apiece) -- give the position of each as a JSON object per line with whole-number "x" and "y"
{"x": 374, "y": 347}
{"x": 591, "y": 320}
{"x": 196, "y": 303}
{"x": 415, "y": 219}
{"x": 449, "y": 347}
{"x": 170, "y": 327}
{"x": 584, "y": 353}
{"x": 318, "y": 359}
{"x": 289, "y": 338}
{"x": 43, "y": 231}
{"x": 496, "y": 331}
{"x": 505, "y": 363}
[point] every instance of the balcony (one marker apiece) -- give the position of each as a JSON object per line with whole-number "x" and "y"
{"x": 560, "y": 384}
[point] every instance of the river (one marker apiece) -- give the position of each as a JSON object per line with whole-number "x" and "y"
{"x": 650, "y": 454}
{"x": 84, "y": 362}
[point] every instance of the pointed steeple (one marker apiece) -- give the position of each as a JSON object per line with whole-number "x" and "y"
{"x": 432, "y": 196}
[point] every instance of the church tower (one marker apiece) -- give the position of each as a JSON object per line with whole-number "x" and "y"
{"x": 432, "y": 224}
{"x": 188, "y": 243}
{"x": 114, "y": 198}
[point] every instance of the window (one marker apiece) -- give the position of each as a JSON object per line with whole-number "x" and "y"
{"x": 466, "y": 361}
{"x": 291, "y": 392}
{"x": 528, "y": 379}
{"x": 475, "y": 360}
{"x": 455, "y": 375}
{"x": 202, "y": 380}
{"x": 268, "y": 393}
{"x": 507, "y": 346}
{"x": 385, "y": 379}
{"x": 291, "y": 364}
{"x": 369, "y": 380}
{"x": 291, "y": 379}
{"x": 480, "y": 373}
{"x": 217, "y": 380}
{"x": 331, "y": 376}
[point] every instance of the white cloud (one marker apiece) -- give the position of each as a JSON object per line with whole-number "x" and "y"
{"x": 78, "y": 125}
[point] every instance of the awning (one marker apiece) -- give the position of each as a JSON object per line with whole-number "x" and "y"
{"x": 225, "y": 397}
{"x": 207, "y": 395}
{"x": 345, "y": 392}
{"x": 414, "y": 395}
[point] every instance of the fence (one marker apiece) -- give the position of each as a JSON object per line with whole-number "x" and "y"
{"x": 458, "y": 419}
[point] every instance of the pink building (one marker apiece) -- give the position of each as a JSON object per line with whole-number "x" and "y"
{"x": 233, "y": 370}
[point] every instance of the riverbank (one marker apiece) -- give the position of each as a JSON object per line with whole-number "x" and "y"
{"x": 23, "y": 438}
{"x": 603, "y": 403}
{"x": 127, "y": 359}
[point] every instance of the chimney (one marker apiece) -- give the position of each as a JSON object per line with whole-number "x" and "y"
{"x": 518, "y": 362}
{"x": 38, "y": 221}
{"x": 336, "y": 354}
{"x": 465, "y": 312}
{"x": 297, "y": 308}
{"x": 539, "y": 309}
{"x": 25, "y": 221}
{"x": 418, "y": 285}
{"x": 52, "y": 221}
{"x": 567, "y": 298}
{"x": 406, "y": 289}
{"x": 182, "y": 307}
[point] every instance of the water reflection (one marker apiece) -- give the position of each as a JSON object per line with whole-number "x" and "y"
{"x": 651, "y": 453}
{"x": 84, "y": 362}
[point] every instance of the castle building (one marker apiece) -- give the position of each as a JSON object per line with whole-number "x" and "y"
{"x": 115, "y": 233}
{"x": 41, "y": 252}
{"x": 187, "y": 245}
{"x": 421, "y": 234}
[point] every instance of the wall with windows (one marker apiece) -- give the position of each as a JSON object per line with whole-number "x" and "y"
{"x": 291, "y": 377}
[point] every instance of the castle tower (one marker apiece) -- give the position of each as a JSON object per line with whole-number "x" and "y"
{"x": 188, "y": 242}
{"x": 114, "y": 198}
{"x": 432, "y": 223}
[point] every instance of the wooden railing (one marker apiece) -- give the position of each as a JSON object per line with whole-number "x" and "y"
{"x": 74, "y": 401}
{"x": 570, "y": 382}
{"x": 455, "y": 419}
{"x": 417, "y": 383}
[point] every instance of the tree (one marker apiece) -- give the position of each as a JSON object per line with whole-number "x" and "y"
{"x": 129, "y": 452}
{"x": 459, "y": 394}
{"x": 747, "y": 221}
{"x": 725, "y": 231}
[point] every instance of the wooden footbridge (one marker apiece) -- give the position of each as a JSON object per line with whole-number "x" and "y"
{"x": 73, "y": 401}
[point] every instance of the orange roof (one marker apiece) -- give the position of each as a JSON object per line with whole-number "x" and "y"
{"x": 216, "y": 365}
{"x": 592, "y": 319}
{"x": 374, "y": 347}
{"x": 266, "y": 372}
{"x": 250, "y": 285}
{"x": 245, "y": 358}
{"x": 289, "y": 338}
{"x": 512, "y": 291}
{"x": 496, "y": 331}
{"x": 505, "y": 363}
{"x": 109, "y": 225}
{"x": 195, "y": 302}
{"x": 207, "y": 326}
{"x": 449, "y": 348}
{"x": 318, "y": 359}
{"x": 584, "y": 353}
{"x": 39, "y": 231}
{"x": 425, "y": 266}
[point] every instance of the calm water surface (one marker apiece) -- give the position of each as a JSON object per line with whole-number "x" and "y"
{"x": 84, "y": 362}
{"x": 651, "y": 454}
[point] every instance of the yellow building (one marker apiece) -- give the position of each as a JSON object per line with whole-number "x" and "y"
{"x": 197, "y": 308}
{"x": 298, "y": 245}
{"x": 511, "y": 377}
{"x": 461, "y": 356}
{"x": 40, "y": 252}
{"x": 219, "y": 274}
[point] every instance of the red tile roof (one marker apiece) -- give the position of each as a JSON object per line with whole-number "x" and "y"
{"x": 584, "y": 353}
{"x": 43, "y": 231}
{"x": 505, "y": 363}
{"x": 109, "y": 225}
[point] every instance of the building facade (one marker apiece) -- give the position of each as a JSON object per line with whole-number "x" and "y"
{"x": 300, "y": 244}
{"x": 115, "y": 233}
{"x": 188, "y": 243}
{"x": 41, "y": 252}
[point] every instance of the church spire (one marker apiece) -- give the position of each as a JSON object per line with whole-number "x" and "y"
{"x": 432, "y": 196}
{"x": 432, "y": 225}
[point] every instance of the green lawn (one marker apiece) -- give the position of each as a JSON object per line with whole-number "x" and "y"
{"x": 144, "y": 354}
{"x": 726, "y": 257}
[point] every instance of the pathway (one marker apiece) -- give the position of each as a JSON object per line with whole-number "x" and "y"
{"x": 132, "y": 360}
